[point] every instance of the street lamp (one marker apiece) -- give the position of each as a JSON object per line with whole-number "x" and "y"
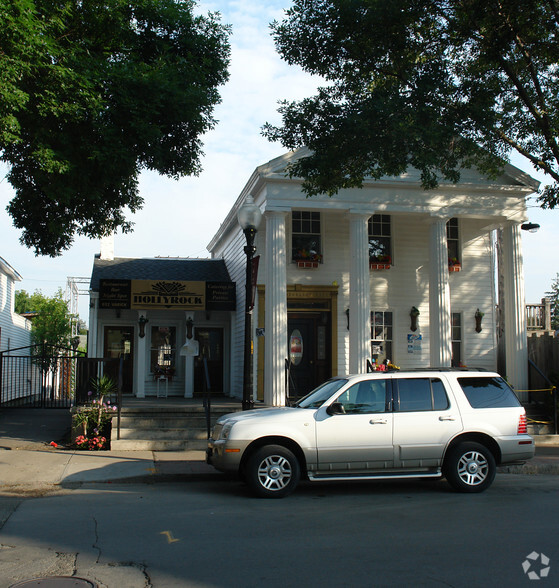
{"x": 249, "y": 217}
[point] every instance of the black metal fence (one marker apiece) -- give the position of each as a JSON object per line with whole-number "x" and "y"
{"x": 38, "y": 376}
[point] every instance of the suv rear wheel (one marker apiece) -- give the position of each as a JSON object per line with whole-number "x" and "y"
{"x": 273, "y": 472}
{"x": 470, "y": 467}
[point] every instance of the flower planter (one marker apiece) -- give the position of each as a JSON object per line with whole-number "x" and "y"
{"x": 454, "y": 267}
{"x": 379, "y": 266}
{"x": 307, "y": 264}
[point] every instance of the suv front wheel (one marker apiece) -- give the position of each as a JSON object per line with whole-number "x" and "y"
{"x": 272, "y": 472}
{"x": 470, "y": 467}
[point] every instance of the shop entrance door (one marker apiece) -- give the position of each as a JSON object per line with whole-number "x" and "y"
{"x": 210, "y": 341}
{"x": 119, "y": 343}
{"x": 308, "y": 351}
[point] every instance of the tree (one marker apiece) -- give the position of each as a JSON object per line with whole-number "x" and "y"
{"x": 553, "y": 296}
{"x": 93, "y": 92}
{"x": 435, "y": 84}
{"x": 53, "y": 323}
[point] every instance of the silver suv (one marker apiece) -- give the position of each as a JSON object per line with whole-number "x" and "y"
{"x": 460, "y": 424}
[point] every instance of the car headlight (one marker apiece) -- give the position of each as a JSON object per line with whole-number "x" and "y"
{"x": 225, "y": 431}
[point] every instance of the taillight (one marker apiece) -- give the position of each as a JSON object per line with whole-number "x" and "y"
{"x": 522, "y": 425}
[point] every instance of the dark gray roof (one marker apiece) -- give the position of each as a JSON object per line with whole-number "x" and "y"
{"x": 187, "y": 270}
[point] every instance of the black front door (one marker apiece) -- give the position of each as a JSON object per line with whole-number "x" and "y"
{"x": 119, "y": 344}
{"x": 308, "y": 351}
{"x": 211, "y": 352}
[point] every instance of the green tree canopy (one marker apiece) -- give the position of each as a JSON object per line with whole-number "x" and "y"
{"x": 435, "y": 84}
{"x": 52, "y": 325}
{"x": 553, "y": 296}
{"x": 90, "y": 94}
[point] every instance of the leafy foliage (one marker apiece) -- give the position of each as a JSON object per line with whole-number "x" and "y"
{"x": 52, "y": 325}
{"x": 435, "y": 84}
{"x": 553, "y": 296}
{"x": 93, "y": 92}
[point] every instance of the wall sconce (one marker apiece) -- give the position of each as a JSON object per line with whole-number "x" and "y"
{"x": 142, "y": 324}
{"x": 414, "y": 313}
{"x": 189, "y": 323}
{"x": 347, "y": 315}
{"x": 478, "y": 316}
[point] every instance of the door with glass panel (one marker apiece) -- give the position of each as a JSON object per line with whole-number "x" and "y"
{"x": 118, "y": 343}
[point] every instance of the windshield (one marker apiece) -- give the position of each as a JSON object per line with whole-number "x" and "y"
{"x": 319, "y": 395}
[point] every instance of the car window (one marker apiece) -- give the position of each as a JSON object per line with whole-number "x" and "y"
{"x": 487, "y": 392}
{"x": 419, "y": 394}
{"x": 319, "y": 395}
{"x": 364, "y": 397}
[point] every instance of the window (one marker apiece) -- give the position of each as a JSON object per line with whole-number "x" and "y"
{"x": 456, "y": 322}
{"x": 364, "y": 398}
{"x": 420, "y": 394}
{"x": 305, "y": 236}
{"x": 380, "y": 245}
{"x": 452, "y": 240}
{"x": 163, "y": 351}
{"x": 381, "y": 336}
{"x": 488, "y": 393}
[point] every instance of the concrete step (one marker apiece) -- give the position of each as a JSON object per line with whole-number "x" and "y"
{"x": 158, "y": 445}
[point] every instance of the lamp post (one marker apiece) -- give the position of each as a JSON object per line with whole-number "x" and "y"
{"x": 249, "y": 217}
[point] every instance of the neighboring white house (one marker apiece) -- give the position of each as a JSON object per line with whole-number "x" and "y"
{"x": 341, "y": 279}
{"x": 15, "y": 330}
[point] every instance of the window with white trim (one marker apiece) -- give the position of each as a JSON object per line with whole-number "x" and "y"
{"x": 306, "y": 236}
{"x": 456, "y": 337}
{"x": 380, "y": 239}
{"x": 163, "y": 350}
{"x": 381, "y": 336}
{"x": 453, "y": 241}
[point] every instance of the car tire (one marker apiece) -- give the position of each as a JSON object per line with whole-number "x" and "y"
{"x": 470, "y": 467}
{"x": 273, "y": 472}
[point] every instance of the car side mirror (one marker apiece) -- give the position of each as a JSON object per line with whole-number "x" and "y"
{"x": 335, "y": 408}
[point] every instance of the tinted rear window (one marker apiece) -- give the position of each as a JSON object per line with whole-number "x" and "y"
{"x": 488, "y": 392}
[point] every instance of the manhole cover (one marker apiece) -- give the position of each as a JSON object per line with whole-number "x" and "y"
{"x": 56, "y": 582}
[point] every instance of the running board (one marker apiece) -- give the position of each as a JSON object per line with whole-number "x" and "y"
{"x": 313, "y": 477}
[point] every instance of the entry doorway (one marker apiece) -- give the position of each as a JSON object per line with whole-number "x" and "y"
{"x": 119, "y": 343}
{"x": 308, "y": 351}
{"x": 210, "y": 340}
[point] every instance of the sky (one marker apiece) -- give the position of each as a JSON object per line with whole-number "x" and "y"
{"x": 179, "y": 218}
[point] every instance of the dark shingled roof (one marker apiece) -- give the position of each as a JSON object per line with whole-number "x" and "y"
{"x": 187, "y": 270}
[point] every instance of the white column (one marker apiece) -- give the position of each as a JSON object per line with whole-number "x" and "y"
{"x": 275, "y": 323}
{"x": 516, "y": 341}
{"x": 359, "y": 294}
{"x": 141, "y": 358}
{"x": 440, "y": 342}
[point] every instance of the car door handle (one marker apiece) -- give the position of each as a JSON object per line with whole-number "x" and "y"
{"x": 446, "y": 418}
{"x": 377, "y": 422}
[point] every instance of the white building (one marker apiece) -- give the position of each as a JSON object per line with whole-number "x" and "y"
{"x": 341, "y": 279}
{"x": 15, "y": 330}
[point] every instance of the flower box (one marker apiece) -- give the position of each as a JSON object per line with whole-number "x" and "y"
{"x": 455, "y": 267}
{"x": 379, "y": 266}
{"x": 307, "y": 264}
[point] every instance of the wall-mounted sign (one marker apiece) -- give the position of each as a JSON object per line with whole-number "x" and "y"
{"x": 414, "y": 343}
{"x": 166, "y": 295}
{"x": 296, "y": 347}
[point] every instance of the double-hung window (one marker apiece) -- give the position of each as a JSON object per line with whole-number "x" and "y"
{"x": 163, "y": 350}
{"x": 380, "y": 239}
{"x": 381, "y": 336}
{"x": 456, "y": 320}
{"x": 453, "y": 242}
{"x": 306, "y": 236}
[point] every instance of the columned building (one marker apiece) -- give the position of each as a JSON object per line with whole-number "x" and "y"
{"x": 389, "y": 273}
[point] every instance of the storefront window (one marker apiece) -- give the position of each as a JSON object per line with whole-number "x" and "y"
{"x": 163, "y": 351}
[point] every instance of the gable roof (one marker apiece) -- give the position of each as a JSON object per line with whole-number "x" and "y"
{"x": 181, "y": 269}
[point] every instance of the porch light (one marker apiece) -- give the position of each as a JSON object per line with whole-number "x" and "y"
{"x": 530, "y": 227}
{"x": 249, "y": 217}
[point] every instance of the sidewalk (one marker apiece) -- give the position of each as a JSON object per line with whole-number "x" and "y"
{"x": 28, "y": 459}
